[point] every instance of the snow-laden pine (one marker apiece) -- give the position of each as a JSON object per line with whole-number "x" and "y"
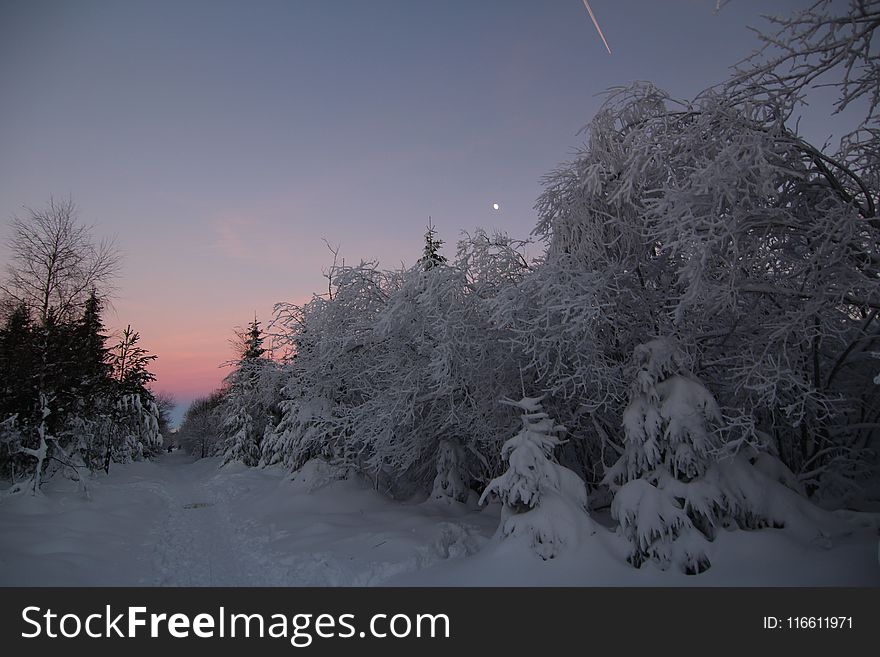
{"x": 665, "y": 505}
{"x": 248, "y": 411}
{"x": 451, "y": 482}
{"x": 544, "y": 503}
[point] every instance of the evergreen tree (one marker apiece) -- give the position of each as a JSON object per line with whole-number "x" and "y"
{"x": 665, "y": 504}
{"x": 92, "y": 353}
{"x": 130, "y": 364}
{"x": 18, "y": 388}
{"x": 253, "y": 342}
{"x": 451, "y": 481}
{"x": 134, "y": 429}
{"x": 18, "y": 358}
{"x": 544, "y": 502}
{"x": 431, "y": 256}
{"x": 92, "y": 384}
{"x": 58, "y": 382}
{"x": 64, "y": 397}
{"x": 42, "y": 392}
{"x": 39, "y": 439}
{"x": 246, "y": 409}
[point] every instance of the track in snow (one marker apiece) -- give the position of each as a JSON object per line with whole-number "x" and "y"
{"x": 195, "y": 544}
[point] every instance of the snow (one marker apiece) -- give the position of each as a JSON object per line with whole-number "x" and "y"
{"x": 183, "y": 522}
{"x": 449, "y": 484}
{"x": 543, "y": 502}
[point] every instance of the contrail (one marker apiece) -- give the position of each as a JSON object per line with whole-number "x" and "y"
{"x": 596, "y": 23}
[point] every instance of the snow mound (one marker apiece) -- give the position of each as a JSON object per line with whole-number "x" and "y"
{"x": 318, "y": 473}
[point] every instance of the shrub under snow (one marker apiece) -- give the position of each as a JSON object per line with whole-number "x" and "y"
{"x": 450, "y": 484}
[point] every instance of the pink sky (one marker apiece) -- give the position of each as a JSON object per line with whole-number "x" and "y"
{"x": 185, "y": 296}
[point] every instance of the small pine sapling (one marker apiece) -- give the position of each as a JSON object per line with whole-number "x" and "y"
{"x": 543, "y": 502}
{"x": 450, "y": 484}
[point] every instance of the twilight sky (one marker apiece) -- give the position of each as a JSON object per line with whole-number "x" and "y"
{"x": 220, "y": 141}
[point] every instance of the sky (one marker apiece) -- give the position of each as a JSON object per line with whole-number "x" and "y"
{"x": 222, "y": 142}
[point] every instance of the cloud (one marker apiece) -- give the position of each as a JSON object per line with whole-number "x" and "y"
{"x": 270, "y": 234}
{"x": 234, "y": 238}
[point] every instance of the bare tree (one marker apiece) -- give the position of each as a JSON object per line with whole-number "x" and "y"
{"x": 165, "y": 404}
{"x": 200, "y": 429}
{"x": 55, "y": 261}
{"x": 828, "y": 44}
{"x": 822, "y": 45}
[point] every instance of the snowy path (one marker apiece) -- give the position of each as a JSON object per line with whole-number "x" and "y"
{"x": 214, "y": 534}
{"x": 180, "y": 522}
{"x": 194, "y": 546}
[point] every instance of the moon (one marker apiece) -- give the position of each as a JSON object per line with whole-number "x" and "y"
{"x": 495, "y": 206}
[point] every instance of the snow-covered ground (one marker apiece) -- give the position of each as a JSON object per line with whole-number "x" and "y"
{"x": 180, "y": 522}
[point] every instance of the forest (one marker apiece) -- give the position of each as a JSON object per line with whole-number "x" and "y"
{"x": 73, "y": 401}
{"x": 695, "y": 345}
{"x": 689, "y": 338}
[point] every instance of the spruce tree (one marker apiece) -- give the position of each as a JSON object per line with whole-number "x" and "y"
{"x": 18, "y": 358}
{"x": 135, "y": 427}
{"x": 544, "y": 503}
{"x": 57, "y": 381}
{"x": 94, "y": 380}
{"x": 244, "y": 412}
{"x": 254, "y": 342}
{"x": 40, "y": 391}
{"x": 131, "y": 362}
{"x": 18, "y": 388}
{"x": 666, "y": 499}
{"x": 431, "y": 256}
{"x": 92, "y": 353}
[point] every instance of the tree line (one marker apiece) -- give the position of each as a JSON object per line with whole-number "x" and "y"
{"x": 74, "y": 400}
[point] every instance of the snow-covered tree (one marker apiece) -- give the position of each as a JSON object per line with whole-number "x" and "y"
{"x": 451, "y": 482}
{"x": 131, "y": 431}
{"x": 390, "y": 363}
{"x": 18, "y": 386}
{"x": 565, "y": 328}
{"x": 93, "y": 384}
{"x": 829, "y": 43}
{"x": 10, "y": 439}
{"x": 200, "y": 430}
{"x": 663, "y": 502}
{"x": 431, "y": 256}
{"x": 247, "y": 408}
{"x": 714, "y": 221}
{"x": 134, "y": 429}
{"x": 543, "y": 502}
